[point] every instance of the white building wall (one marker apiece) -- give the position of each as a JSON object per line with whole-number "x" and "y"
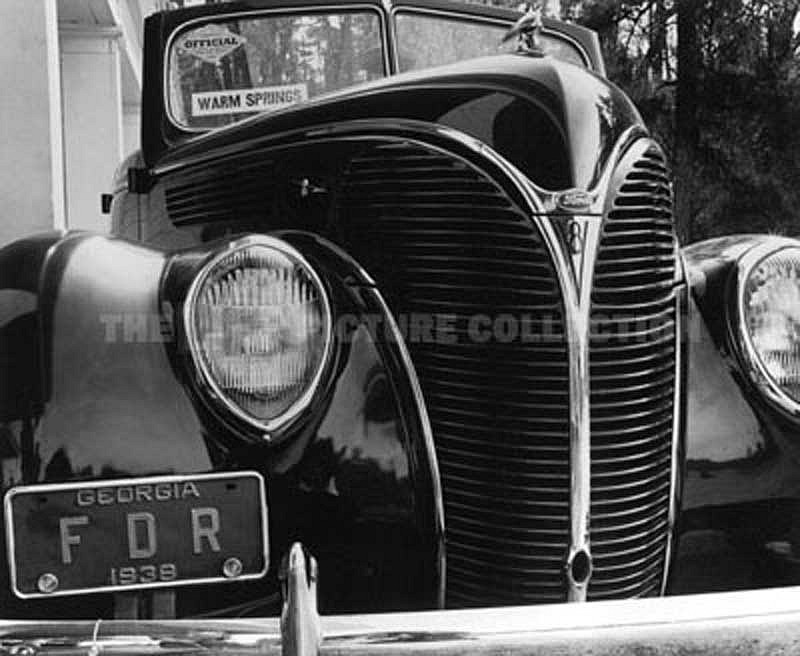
{"x": 92, "y": 119}
{"x": 131, "y": 117}
{"x": 31, "y": 150}
{"x": 70, "y": 80}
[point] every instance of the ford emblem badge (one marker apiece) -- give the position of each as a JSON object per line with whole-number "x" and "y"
{"x": 574, "y": 200}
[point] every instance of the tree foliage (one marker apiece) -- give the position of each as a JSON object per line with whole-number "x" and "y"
{"x": 718, "y": 81}
{"x": 738, "y": 140}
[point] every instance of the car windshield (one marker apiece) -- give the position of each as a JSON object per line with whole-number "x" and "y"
{"x": 427, "y": 40}
{"x": 221, "y": 71}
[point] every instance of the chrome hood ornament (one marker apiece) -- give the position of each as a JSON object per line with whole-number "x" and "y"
{"x": 527, "y": 31}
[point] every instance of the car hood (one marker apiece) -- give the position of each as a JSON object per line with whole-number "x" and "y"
{"x": 590, "y": 112}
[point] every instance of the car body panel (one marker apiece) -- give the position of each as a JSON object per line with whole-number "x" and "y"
{"x": 114, "y": 401}
{"x": 742, "y": 471}
{"x": 731, "y": 428}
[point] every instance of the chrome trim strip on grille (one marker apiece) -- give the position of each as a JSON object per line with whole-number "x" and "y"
{"x": 578, "y": 317}
{"x": 680, "y": 308}
{"x": 578, "y": 321}
{"x": 577, "y": 306}
{"x": 427, "y": 432}
{"x": 425, "y": 426}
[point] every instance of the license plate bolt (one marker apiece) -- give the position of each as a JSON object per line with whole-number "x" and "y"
{"x": 47, "y": 583}
{"x": 232, "y": 568}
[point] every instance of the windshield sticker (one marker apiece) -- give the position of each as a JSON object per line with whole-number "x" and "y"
{"x": 240, "y": 101}
{"x": 210, "y": 43}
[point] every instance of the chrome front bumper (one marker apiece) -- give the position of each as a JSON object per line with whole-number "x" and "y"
{"x": 759, "y": 622}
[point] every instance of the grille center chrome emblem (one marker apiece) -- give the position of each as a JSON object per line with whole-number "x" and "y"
{"x": 574, "y": 200}
{"x": 578, "y": 228}
{"x": 578, "y": 236}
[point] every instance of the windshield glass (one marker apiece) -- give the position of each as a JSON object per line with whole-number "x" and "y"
{"x": 433, "y": 40}
{"x": 221, "y": 71}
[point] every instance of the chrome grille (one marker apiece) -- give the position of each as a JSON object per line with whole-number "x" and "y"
{"x": 632, "y": 377}
{"x": 225, "y": 192}
{"x": 442, "y": 237}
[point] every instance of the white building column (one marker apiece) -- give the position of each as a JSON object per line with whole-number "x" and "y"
{"x": 92, "y": 118}
{"x": 31, "y": 154}
{"x": 131, "y": 120}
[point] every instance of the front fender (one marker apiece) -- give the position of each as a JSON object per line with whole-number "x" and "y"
{"x": 101, "y": 386}
{"x": 741, "y": 493}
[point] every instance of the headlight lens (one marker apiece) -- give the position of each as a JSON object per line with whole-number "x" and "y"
{"x": 259, "y": 329}
{"x": 771, "y": 317}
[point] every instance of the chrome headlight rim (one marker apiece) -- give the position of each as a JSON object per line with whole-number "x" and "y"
{"x": 267, "y": 429}
{"x": 754, "y": 365}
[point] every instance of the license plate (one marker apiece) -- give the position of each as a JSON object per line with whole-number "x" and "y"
{"x": 130, "y": 534}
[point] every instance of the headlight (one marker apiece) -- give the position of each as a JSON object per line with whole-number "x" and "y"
{"x": 770, "y": 320}
{"x": 258, "y": 324}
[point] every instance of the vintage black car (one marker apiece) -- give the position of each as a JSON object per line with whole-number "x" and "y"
{"x": 390, "y": 286}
